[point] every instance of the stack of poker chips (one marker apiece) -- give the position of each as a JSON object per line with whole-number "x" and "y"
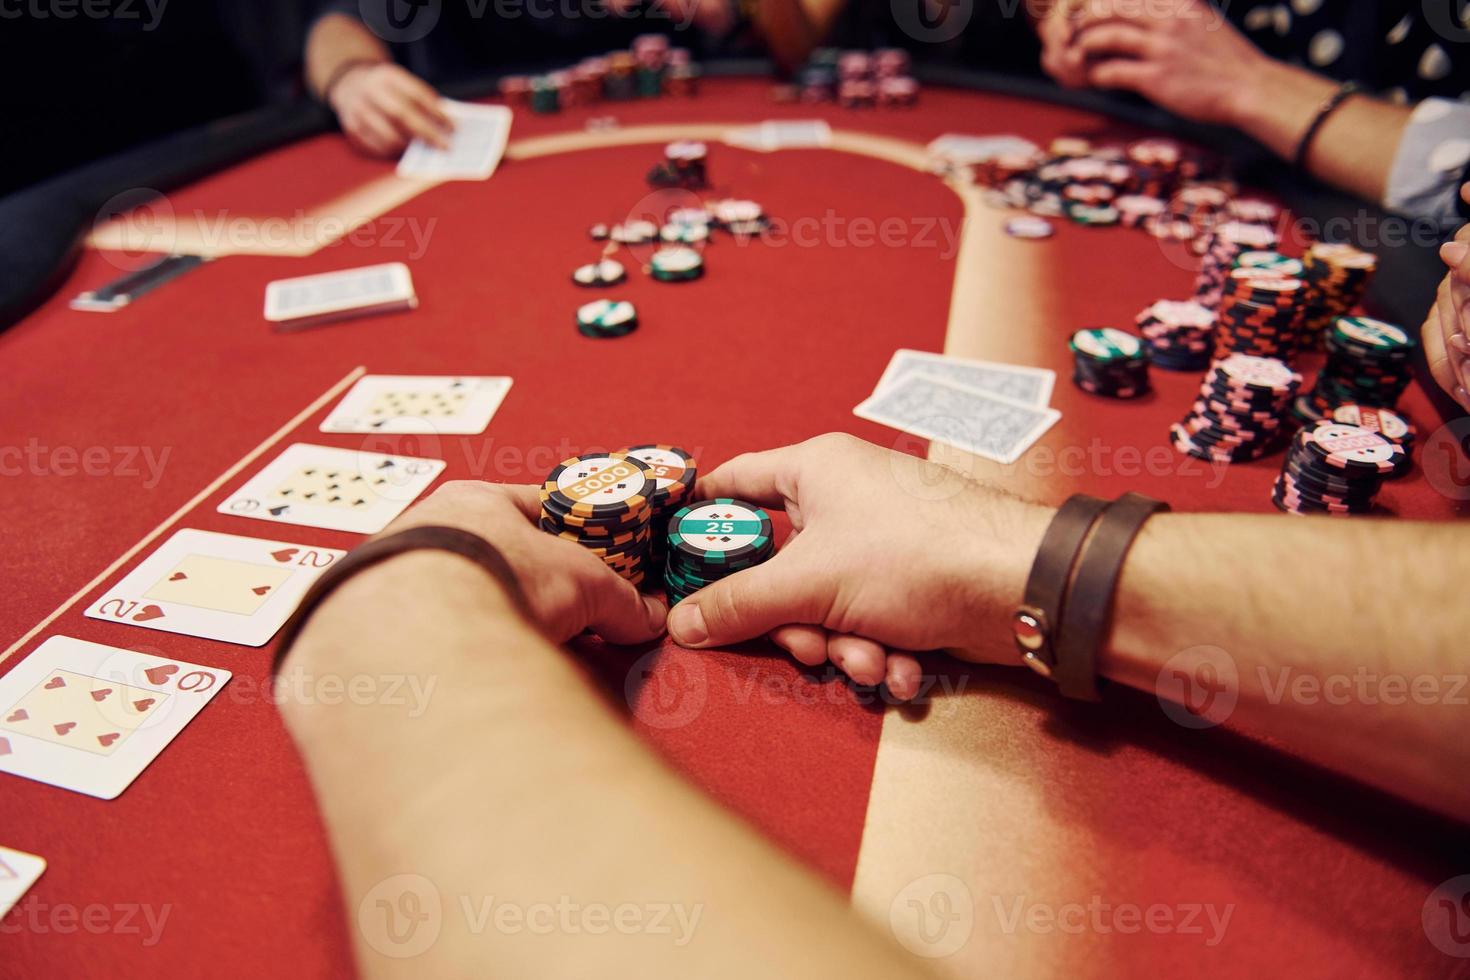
{"x": 683, "y": 166}
{"x": 1200, "y": 205}
{"x": 1369, "y": 362}
{"x": 546, "y": 93}
{"x": 1336, "y": 468}
{"x": 1137, "y": 210}
{"x": 857, "y": 79}
{"x": 1260, "y": 313}
{"x": 676, "y": 263}
{"x": 712, "y": 539}
{"x": 674, "y": 474}
{"x": 1385, "y": 421}
{"x": 1110, "y": 363}
{"x": 1253, "y": 211}
{"x": 1339, "y": 276}
{"x": 603, "y": 502}
{"x": 738, "y": 217}
{"x": 1180, "y": 335}
{"x": 1225, "y": 243}
{"x": 1238, "y": 415}
{"x": 605, "y": 319}
{"x": 681, "y": 77}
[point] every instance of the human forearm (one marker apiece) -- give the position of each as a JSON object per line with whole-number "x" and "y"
{"x": 1342, "y": 652}
{"x": 1355, "y": 147}
{"x": 337, "y": 40}
{"x": 517, "y": 786}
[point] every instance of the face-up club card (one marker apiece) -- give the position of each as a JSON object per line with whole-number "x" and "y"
{"x": 338, "y": 489}
{"x": 90, "y": 718}
{"x": 407, "y": 403}
{"x": 218, "y": 586}
{"x": 18, "y": 872}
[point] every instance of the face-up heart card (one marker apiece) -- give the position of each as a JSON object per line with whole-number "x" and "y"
{"x": 338, "y": 489}
{"x": 410, "y": 403}
{"x": 18, "y": 872}
{"x": 218, "y": 586}
{"x": 90, "y": 718}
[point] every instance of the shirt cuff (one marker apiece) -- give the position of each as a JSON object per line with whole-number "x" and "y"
{"x": 1433, "y": 160}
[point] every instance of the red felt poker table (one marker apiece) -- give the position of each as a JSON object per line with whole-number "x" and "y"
{"x": 134, "y": 424}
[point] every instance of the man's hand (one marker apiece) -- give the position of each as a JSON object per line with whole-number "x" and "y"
{"x": 1446, "y": 332}
{"x": 382, "y": 107}
{"x": 1187, "y": 59}
{"x": 566, "y": 586}
{"x": 888, "y": 553}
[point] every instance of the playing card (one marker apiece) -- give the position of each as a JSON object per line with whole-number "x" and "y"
{"x": 218, "y": 586}
{"x": 783, "y": 134}
{"x": 310, "y": 300}
{"x": 338, "y": 489}
{"x": 982, "y": 424}
{"x": 18, "y": 872}
{"x": 407, "y": 403}
{"x": 475, "y": 147}
{"x": 1027, "y": 384}
{"x": 90, "y": 718}
{"x": 965, "y": 149}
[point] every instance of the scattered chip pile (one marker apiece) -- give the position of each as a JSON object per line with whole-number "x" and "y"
{"x": 1369, "y": 362}
{"x": 1180, "y": 335}
{"x": 650, "y": 69}
{"x": 1110, "y": 363}
{"x": 603, "y": 502}
{"x": 1239, "y": 413}
{"x": 1339, "y": 276}
{"x": 1337, "y": 468}
{"x": 712, "y": 539}
{"x": 674, "y": 474}
{"x": 853, "y": 79}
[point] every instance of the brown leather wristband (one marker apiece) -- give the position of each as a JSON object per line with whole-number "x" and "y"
{"x": 1088, "y": 607}
{"x": 452, "y": 539}
{"x": 1036, "y": 622}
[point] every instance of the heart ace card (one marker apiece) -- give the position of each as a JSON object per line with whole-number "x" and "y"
{"x": 90, "y": 718}
{"x": 18, "y": 872}
{"x": 218, "y": 586}
{"x": 338, "y": 489}
{"x": 407, "y": 403}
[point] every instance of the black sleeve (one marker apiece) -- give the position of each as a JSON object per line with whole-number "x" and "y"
{"x": 1460, "y": 203}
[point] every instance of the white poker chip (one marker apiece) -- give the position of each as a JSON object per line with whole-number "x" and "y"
{"x": 689, "y": 216}
{"x": 634, "y": 232}
{"x": 684, "y": 234}
{"x": 736, "y": 211}
{"x": 1031, "y": 228}
{"x": 685, "y": 150}
{"x": 676, "y": 264}
{"x": 604, "y": 273}
{"x": 1107, "y": 343}
{"x": 1247, "y": 370}
{"x": 606, "y": 313}
{"x": 1372, "y": 333}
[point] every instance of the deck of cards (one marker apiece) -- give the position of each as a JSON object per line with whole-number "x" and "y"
{"x": 984, "y": 408}
{"x": 308, "y": 301}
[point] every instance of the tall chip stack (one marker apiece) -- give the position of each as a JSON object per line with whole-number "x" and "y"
{"x": 651, "y": 52}
{"x": 1339, "y": 276}
{"x": 1260, "y": 313}
{"x": 681, "y": 77}
{"x": 1180, "y": 336}
{"x": 713, "y": 539}
{"x": 674, "y": 474}
{"x": 1369, "y": 362}
{"x": 603, "y": 502}
{"x": 1239, "y": 413}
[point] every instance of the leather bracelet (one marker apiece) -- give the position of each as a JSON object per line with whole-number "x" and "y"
{"x": 1037, "y": 621}
{"x": 341, "y": 72}
{"x": 452, "y": 539}
{"x": 1329, "y": 105}
{"x": 1088, "y": 606}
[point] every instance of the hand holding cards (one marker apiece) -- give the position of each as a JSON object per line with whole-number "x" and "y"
{"x": 90, "y": 718}
{"x": 475, "y": 148}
